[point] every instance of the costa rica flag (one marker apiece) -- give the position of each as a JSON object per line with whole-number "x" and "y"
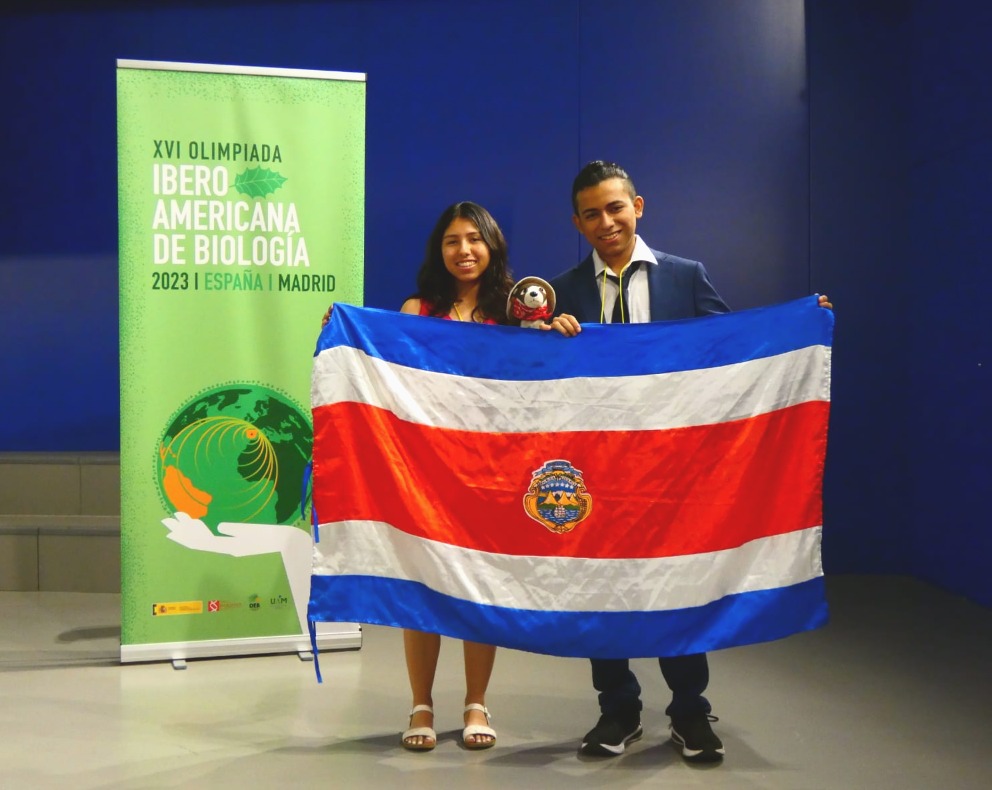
{"x": 639, "y": 490}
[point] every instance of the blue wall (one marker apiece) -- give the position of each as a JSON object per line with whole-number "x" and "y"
{"x": 946, "y": 318}
{"x": 495, "y": 102}
{"x": 859, "y": 56}
{"x": 827, "y": 145}
{"x": 901, "y": 164}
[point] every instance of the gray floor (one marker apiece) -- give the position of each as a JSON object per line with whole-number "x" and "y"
{"x": 893, "y": 693}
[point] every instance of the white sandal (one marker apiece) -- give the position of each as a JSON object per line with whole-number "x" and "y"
{"x": 425, "y": 732}
{"x": 478, "y": 729}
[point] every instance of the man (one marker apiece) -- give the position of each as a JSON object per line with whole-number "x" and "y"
{"x": 623, "y": 280}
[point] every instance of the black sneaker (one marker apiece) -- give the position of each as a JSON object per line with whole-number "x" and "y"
{"x": 611, "y": 735}
{"x": 696, "y": 738}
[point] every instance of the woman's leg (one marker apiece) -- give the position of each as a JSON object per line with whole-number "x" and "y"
{"x": 479, "y": 661}
{"x": 422, "y": 651}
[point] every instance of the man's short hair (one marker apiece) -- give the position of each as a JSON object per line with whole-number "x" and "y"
{"x": 596, "y": 172}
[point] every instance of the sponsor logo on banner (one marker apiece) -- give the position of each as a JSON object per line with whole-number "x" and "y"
{"x": 218, "y": 605}
{"x": 177, "y": 607}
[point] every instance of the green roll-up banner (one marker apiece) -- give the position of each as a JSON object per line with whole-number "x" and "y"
{"x": 241, "y": 207}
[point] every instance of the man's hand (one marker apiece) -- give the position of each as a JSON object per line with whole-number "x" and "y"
{"x": 824, "y": 301}
{"x": 566, "y": 324}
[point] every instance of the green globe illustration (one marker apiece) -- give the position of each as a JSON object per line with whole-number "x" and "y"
{"x": 235, "y": 453}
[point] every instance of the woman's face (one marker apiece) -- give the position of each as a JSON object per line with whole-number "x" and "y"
{"x": 465, "y": 254}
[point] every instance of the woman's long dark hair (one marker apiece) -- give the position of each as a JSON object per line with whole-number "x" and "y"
{"x": 437, "y": 287}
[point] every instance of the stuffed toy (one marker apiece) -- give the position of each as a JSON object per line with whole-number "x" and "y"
{"x": 531, "y": 302}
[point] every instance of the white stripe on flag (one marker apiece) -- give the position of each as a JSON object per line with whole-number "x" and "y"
{"x": 648, "y": 402}
{"x": 371, "y": 548}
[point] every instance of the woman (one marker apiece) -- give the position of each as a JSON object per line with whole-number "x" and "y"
{"x": 464, "y": 277}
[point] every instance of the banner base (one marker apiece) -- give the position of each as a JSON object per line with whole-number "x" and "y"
{"x": 330, "y": 636}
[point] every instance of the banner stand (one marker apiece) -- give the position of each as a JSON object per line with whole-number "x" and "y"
{"x": 241, "y": 195}
{"x": 329, "y": 637}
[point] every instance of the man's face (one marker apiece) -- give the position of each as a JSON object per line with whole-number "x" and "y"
{"x": 607, "y": 217}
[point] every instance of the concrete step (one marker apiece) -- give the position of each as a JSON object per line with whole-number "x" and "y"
{"x": 60, "y": 522}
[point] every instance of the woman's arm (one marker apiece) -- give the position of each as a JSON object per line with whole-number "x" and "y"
{"x": 411, "y": 306}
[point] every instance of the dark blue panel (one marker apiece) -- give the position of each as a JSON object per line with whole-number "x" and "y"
{"x": 704, "y": 103}
{"x": 858, "y": 57}
{"x": 950, "y": 331}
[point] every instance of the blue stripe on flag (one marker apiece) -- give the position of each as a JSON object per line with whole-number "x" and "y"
{"x": 741, "y": 619}
{"x": 509, "y": 353}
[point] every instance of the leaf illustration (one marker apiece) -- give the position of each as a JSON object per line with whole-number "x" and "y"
{"x": 258, "y": 182}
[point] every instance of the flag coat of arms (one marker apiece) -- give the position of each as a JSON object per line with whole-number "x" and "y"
{"x": 636, "y": 491}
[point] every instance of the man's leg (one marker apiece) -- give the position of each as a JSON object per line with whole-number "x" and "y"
{"x": 620, "y": 704}
{"x": 688, "y": 677}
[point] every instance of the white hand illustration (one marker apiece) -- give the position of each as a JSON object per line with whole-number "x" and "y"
{"x": 248, "y": 540}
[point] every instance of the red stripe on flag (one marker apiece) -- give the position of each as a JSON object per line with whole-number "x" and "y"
{"x": 654, "y": 493}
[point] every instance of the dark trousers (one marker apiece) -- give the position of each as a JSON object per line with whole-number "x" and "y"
{"x": 620, "y": 693}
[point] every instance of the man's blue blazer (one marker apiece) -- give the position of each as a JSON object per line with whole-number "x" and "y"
{"x": 678, "y": 288}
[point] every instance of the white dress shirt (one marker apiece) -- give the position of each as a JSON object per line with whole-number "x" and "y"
{"x": 637, "y": 288}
